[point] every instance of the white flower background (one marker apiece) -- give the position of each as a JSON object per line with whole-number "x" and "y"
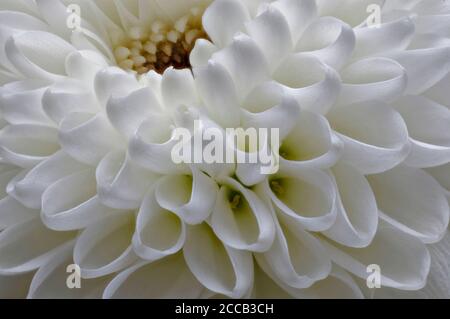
{"x": 86, "y": 175}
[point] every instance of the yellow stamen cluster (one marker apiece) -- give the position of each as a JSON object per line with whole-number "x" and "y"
{"x": 162, "y": 46}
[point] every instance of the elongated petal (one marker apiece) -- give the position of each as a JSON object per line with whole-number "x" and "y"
{"x": 72, "y": 202}
{"x": 424, "y": 67}
{"x": 218, "y": 92}
{"x": 178, "y": 88}
{"x": 29, "y": 189}
{"x": 12, "y": 213}
{"x": 413, "y": 201}
{"x": 192, "y": 198}
{"x": 296, "y": 258}
{"x": 247, "y": 225}
{"x": 159, "y": 232}
{"x": 338, "y": 285}
{"x": 330, "y": 40}
{"x": 104, "y": 247}
{"x": 404, "y": 260}
{"x": 114, "y": 82}
{"x": 165, "y": 278}
{"x": 20, "y": 252}
{"x": 38, "y": 54}
{"x": 306, "y": 199}
{"x": 245, "y": 63}
{"x": 357, "y": 212}
{"x": 152, "y": 145}
{"x": 315, "y": 85}
{"x": 428, "y": 124}
{"x": 65, "y": 97}
{"x": 270, "y": 30}
{"x": 374, "y": 134}
{"x": 219, "y": 268}
{"x": 223, "y": 19}
{"x": 50, "y": 281}
{"x": 20, "y": 102}
{"x": 121, "y": 183}
{"x": 310, "y": 144}
{"x": 372, "y": 79}
{"x": 298, "y": 13}
{"x": 388, "y": 37}
{"x": 26, "y": 145}
{"x": 88, "y": 137}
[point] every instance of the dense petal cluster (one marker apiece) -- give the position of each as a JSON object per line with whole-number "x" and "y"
{"x": 87, "y": 116}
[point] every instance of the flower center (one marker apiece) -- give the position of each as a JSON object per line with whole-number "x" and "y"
{"x": 235, "y": 200}
{"x": 277, "y": 187}
{"x": 163, "y": 46}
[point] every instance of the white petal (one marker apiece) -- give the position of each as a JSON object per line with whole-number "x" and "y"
{"x": 104, "y": 247}
{"x": 178, "y": 88}
{"x": 311, "y": 143}
{"x": 29, "y": 189}
{"x": 306, "y": 199}
{"x": 249, "y": 226}
{"x": 114, "y": 82}
{"x": 270, "y": 30}
{"x": 428, "y": 126}
{"x": 413, "y": 201}
{"x": 296, "y": 258}
{"x": 192, "y": 198}
{"x": 330, "y": 40}
{"x": 372, "y": 79}
{"x": 20, "y": 251}
{"x": 121, "y": 183}
{"x": 88, "y": 137}
{"x": 13, "y": 22}
{"x": 439, "y": 92}
{"x": 127, "y": 113}
{"x": 26, "y": 145}
{"x": 56, "y": 15}
{"x": 390, "y": 36}
{"x": 299, "y": 14}
{"x": 72, "y": 203}
{"x": 159, "y": 232}
{"x": 283, "y": 115}
{"x": 152, "y": 145}
{"x": 245, "y": 63}
{"x": 223, "y": 19}
{"x": 314, "y": 84}
{"x": 424, "y": 67}
{"x": 68, "y": 96}
{"x": 162, "y": 279}
{"x": 404, "y": 260}
{"x": 50, "y": 281}
{"x": 354, "y": 12}
{"x": 201, "y": 53}
{"x": 218, "y": 92}
{"x": 442, "y": 175}
{"x": 357, "y": 212}
{"x": 21, "y": 102}
{"x": 375, "y": 135}
{"x": 219, "y": 268}
{"x": 38, "y": 54}
{"x": 338, "y": 285}
{"x": 13, "y": 213}
{"x": 84, "y": 65}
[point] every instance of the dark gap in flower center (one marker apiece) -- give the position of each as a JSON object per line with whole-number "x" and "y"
{"x": 235, "y": 200}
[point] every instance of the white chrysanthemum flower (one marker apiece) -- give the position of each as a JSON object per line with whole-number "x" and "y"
{"x": 88, "y": 112}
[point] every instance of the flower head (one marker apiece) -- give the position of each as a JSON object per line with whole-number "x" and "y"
{"x": 89, "y": 104}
